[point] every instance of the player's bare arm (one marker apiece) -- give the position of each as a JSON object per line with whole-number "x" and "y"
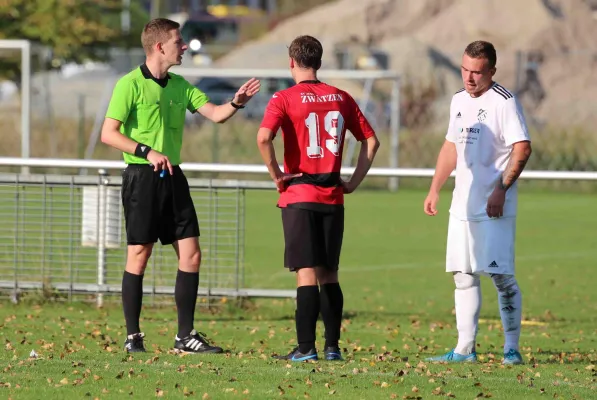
{"x": 367, "y": 153}
{"x": 221, "y": 113}
{"x": 265, "y": 143}
{"x": 446, "y": 163}
{"x": 112, "y": 137}
{"x": 521, "y": 152}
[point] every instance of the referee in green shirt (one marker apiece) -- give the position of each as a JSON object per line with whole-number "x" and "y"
{"x": 145, "y": 121}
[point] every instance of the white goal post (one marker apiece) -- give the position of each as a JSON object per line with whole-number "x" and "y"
{"x": 25, "y": 47}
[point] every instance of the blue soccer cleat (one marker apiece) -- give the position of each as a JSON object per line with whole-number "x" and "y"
{"x": 512, "y": 357}
{"x": 451, "y": 356}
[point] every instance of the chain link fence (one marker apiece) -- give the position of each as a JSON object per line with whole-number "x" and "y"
{"x": 64, "y": 235}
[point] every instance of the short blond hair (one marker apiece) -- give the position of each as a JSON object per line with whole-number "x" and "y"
{"x": 157, "y": 30}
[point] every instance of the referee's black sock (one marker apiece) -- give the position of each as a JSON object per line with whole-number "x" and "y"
{"x": 132, "y": 300}
{"x": 185, "y": 294}
{"x": 332, "y": 303}
{"x": 307, "y": 311}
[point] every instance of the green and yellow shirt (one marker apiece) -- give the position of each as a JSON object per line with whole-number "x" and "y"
{"x": 152, "y": 111}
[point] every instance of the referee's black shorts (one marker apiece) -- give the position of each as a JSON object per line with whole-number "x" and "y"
{"x": 157, "y": 207}
{"x": 312, "y": 238}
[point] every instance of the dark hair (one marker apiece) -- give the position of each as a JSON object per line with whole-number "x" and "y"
{"x": 157, "y": 30}
{"x": 306, "y": 51}
{"x": 482, "y": 49}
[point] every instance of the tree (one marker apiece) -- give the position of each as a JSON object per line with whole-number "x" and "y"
{"x": 72, "y": 30}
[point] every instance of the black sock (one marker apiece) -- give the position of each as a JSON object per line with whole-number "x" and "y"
{"x": 185, "y": 294}
{"x": 307, "y": 311}
{"x": 132, "y": 299}
{"x": 332, "y": 303}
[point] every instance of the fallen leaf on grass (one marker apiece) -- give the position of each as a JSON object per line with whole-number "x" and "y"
{"x": 437, "y": 391}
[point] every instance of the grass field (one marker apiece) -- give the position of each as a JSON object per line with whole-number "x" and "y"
{"x": 398, "y": 310}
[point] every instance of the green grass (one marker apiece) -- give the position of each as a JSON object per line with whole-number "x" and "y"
{"x": 398, "y": 310}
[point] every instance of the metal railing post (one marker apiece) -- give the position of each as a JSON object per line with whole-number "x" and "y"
{"x": 101, "y": 234}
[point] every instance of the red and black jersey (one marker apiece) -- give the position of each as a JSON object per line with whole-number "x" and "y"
{"x": 314, "y": 118}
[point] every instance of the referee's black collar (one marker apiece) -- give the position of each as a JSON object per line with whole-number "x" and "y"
{"x": 147, "y": 75}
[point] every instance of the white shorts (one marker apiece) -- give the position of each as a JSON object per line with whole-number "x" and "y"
{"x": 481, "y": 247}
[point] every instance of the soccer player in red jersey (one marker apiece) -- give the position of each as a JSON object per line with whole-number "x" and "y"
{"x": 314, "y": 118}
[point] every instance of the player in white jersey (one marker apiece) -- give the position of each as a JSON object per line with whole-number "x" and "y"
{"x": 489, "y": 145}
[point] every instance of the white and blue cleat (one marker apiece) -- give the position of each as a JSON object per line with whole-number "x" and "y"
{"x": 512, "y": 357}
{"x": 453, "y": 357}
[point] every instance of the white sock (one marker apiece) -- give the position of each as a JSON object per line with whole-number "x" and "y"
{"x": 468, "y": 306}
{"x": 510, "y": 301}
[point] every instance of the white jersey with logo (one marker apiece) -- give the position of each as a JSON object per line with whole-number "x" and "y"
{"x": 484, "y": 129}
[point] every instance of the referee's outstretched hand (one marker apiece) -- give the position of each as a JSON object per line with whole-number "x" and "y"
{"x": 159, "y": 161}
{"x": 247, "y": 91}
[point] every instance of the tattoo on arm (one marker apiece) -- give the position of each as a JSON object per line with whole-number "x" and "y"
{"x": 516, "y": 164}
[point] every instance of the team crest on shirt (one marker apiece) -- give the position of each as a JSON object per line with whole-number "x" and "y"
{"x": 482, "y": 115}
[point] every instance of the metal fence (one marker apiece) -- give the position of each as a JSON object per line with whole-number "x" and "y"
{"x": 66, "y": 233}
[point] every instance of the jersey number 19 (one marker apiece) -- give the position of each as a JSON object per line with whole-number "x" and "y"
{"x": 333, "y": 125}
